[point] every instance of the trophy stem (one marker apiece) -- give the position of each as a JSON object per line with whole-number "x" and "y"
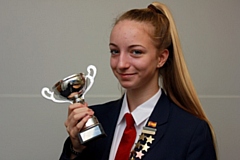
{"x": 79, "y": 100}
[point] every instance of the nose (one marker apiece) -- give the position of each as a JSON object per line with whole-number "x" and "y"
{"x": 123, "y": 61}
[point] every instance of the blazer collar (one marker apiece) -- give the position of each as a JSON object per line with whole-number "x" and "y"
{"x": 161, "y": 111}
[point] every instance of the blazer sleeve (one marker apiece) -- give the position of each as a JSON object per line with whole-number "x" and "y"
{"x": 66, "y": 151}
{"x": 201, "y": 145}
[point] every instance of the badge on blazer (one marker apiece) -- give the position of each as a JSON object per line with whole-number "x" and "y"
{"x": 145, "y": 140}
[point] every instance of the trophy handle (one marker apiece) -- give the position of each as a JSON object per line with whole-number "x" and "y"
{"x": 91, "y": 69}
{"x": 46, "y": 93}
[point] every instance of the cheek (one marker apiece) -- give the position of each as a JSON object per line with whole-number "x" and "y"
{"x": 142, "y": 65}
{"x": 112, "y": 63}
{"x": 147, "y": 66}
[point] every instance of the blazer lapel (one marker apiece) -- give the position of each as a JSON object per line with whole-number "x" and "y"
{"x": 156, "y": 122}
{"x": 111, "y": 118}
{"x": 160, "y": 115}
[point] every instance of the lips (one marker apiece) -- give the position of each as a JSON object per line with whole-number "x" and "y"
{"x": 126, "y": 75}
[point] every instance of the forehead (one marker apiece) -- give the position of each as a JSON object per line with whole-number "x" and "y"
{"x": 127, "y": 28}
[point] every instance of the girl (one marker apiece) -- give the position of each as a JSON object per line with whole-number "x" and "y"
{"x": 149, "y": 122}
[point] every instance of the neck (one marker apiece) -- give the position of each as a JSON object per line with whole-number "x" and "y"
{"x": 136, "y": 97}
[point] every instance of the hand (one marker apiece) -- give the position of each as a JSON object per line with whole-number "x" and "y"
{"x": 78, "y": 114}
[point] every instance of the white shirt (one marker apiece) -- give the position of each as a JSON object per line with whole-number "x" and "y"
{"x": 140, "y": 115}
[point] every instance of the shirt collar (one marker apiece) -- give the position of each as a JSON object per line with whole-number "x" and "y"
{"x": 142, "y": 112}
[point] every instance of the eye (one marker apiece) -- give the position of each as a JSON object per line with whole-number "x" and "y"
{"x": 137, "y": 52}
{"x": 114, "y": 51}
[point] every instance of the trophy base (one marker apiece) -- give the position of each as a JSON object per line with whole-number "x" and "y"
{"x": 92, "y": 133}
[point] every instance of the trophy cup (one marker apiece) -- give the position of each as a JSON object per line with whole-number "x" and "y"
{"x": 72, "y": 89}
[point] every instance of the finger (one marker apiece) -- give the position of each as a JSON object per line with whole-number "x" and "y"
{"x": 82, "y": 123}
{"x": 73, "y": 131}
{"x": 76, "y": 105}
{"x": 77, "y": 115}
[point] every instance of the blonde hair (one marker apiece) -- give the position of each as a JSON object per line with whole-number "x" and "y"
{"x": 174, "y": 74}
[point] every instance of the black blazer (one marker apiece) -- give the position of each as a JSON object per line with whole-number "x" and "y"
{"x": 179, "y": 135}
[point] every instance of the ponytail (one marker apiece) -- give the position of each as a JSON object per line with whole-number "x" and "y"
{"x": 175, "y": 76}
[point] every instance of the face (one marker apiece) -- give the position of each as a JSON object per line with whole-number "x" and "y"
{"x": 134, "y": 58}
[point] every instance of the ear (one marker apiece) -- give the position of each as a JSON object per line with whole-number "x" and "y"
{"x": 162, "y": 57}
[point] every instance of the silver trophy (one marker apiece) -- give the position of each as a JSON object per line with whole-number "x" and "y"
{"x": 72, "y": 89}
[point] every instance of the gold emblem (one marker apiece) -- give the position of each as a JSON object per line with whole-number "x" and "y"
{"x": 152, "y": 124}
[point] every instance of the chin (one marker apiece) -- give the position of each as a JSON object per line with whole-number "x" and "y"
{"x": 126, "y": 85}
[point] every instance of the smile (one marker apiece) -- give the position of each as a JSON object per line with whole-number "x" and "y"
{"x": 126, "y": 75}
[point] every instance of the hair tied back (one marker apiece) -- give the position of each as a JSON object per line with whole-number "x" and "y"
{"x": 154, "y": 9}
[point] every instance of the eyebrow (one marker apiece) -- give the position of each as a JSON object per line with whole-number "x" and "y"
{"x": 136, "y": 45}
{"x": 131, "y": 46}
{"x": 112, "y": 44}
